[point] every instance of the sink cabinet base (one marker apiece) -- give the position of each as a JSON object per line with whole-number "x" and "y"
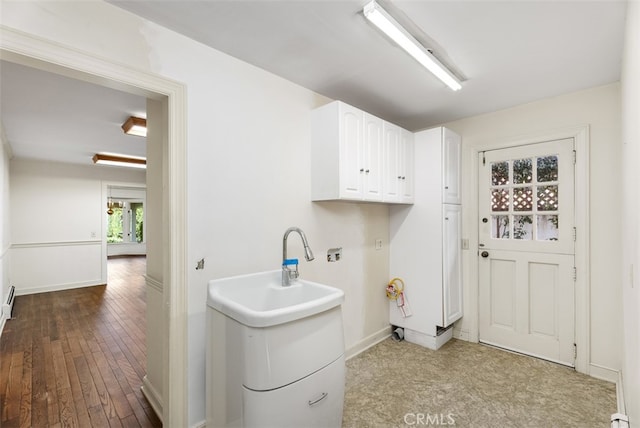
{"x": 271, "y": 373}
{"x": 313, "y": 402}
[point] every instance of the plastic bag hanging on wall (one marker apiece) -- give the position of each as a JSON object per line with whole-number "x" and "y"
{"x": 395, "y": 291}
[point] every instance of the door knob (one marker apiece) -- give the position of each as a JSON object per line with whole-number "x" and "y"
{"x": 484, "y": 220}
{"x": 484, "y": 254}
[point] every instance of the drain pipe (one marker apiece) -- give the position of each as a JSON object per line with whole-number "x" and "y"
{"x": 397, "y": 334}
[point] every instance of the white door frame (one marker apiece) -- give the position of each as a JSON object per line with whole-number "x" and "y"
{"x": 582, "y": 286}
{"x": 39, "y": 53}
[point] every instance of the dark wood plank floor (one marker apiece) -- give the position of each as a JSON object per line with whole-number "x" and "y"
{"x": 76, "y": 358}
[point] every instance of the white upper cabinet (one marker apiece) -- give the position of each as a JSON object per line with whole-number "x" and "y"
{"x": 349, "y": 156}
{"x": 372, "y": 159}
{"x": 398, "y": 165}
{"x": 351, "y": 129}
{"x": 450, "y": 167}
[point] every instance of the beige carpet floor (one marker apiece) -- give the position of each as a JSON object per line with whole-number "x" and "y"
{"x": 399, "y": 384}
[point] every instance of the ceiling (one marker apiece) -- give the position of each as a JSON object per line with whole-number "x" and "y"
{"x": 50, "y": 117}
{"x": 508, "y": 53}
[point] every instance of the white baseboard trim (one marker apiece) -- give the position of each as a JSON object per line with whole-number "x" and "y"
{"x": 57, "y": 287}
{"x": 152, "y": 396}
{"x": 368, "y": 342}
{"x": 153, "y": 283}
{"x": 461, "y": 334}
{"x": 201, "y": 424}
{"x": 604, "y": 373}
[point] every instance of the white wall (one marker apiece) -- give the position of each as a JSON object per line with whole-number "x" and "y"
{"x": 248, "y": 163}
{"x": 5, "y": 234}
{"x": 600, "y": 109}
{"x": 631, "y": 191}
{"x": 249, "y": 180}
{"x": 57, "y": 223}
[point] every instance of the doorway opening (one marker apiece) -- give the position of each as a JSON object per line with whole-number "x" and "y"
{"x": 170, "y": 96}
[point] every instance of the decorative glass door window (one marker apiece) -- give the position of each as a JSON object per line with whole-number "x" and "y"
{"x": 524, "y": 198}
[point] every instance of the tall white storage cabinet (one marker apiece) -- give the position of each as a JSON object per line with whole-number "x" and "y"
{"x": 425, "y": 242}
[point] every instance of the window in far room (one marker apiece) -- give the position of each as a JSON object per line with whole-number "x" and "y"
{"x": 126, "y": 224}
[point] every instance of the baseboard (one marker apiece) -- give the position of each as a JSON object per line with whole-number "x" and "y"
{"x": 368, "y": 342}
{"x": 460, "y": 334}
{"x": 201, "y": 424}
{"x": 152, "y": 396}
{"x": 57, "y": 287}
{"x": 604, "y": 373}
{"x": 153, "y": 283}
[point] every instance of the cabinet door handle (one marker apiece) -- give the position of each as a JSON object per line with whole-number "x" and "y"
{"x": 361, "y": 169}
{"x": 367, "y": 171}
{"x": 403, "y": 178}
{"x": 319, "y": 399}
{"x": 399, "y": 177}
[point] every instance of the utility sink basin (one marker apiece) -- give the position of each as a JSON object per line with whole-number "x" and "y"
{"x": 260, "y": 300}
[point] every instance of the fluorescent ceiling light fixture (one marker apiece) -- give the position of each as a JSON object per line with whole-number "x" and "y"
{"x": 119, "y": 160}
{"x": 381, "y": 19}
{"x": 135, "y": 126}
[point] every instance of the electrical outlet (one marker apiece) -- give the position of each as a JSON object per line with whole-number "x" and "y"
{"x": 378, "y": 244}
{"x": 334, "y": 254}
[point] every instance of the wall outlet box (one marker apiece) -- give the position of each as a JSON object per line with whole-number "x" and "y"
{"x": 378, "y": 244}
{"x": 334, "y": 254}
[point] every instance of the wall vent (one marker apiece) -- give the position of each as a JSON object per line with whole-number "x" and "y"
{"x": 7, "y": 307}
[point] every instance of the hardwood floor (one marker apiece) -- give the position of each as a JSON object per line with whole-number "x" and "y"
{"x": 76, "y": 358}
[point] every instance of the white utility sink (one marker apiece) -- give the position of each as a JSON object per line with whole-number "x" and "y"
{"x": 260, "y": 299}
{"x": 275, "y": 354}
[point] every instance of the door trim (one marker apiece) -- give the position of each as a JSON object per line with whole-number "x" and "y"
{"x": 33, "y": 51}
{"x": 580, "y": 134}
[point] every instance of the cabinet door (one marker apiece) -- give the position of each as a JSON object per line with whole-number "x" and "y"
{"x": 451, "y": 267}
{"x": 392, "y": 175}
{"x": 372, "y": 158}
{"x": 450, "y": 167}
{"x": 351, "y": 152}
{"x": 407, "y": 166}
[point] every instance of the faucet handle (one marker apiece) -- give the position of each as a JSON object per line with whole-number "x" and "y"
{"x": 289, "y": 273}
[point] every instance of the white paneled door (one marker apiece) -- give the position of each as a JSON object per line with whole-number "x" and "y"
{"x": 526, "y": 249}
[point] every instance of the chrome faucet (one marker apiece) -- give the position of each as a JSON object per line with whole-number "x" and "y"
{"x": 288, "y": 274}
